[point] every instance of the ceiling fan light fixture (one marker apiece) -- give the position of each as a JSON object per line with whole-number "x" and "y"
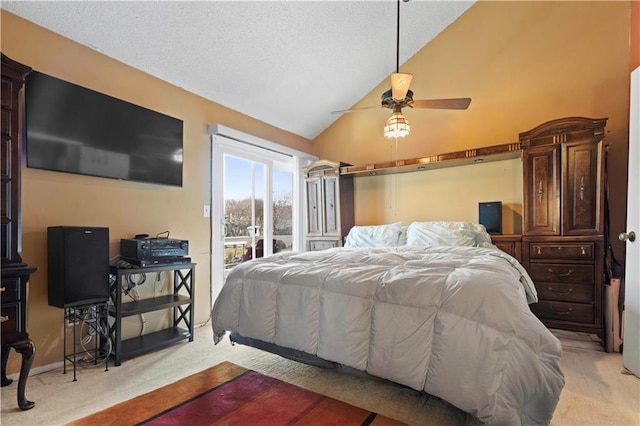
{"x": 400, "y": 83}
{"x": 397, "y": 126}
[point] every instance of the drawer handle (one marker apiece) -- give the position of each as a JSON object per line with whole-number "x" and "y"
{"x": 560, "y": 293}
{"x": 550, "y": 270}
{"x": 3, "y": 289}
{"x": 4, "y": 319}
{"x": 567, "y": 312}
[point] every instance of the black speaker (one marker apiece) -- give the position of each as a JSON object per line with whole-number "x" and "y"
{"x": 78, "y": 265}
{"x": 490, "y": 215}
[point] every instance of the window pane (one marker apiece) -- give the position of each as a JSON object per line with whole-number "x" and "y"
{"x": 237, "y": 209}
{"x": 243, "y": 209}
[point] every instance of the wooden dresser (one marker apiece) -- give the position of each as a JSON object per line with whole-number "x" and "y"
{"x": 510, "y": 244}
{"x": 563, "y": 221}
{"x": 15, "y": 273}
{"x": 329, "y": 204}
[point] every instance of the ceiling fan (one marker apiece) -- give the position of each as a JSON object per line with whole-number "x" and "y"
{"x": 399, "y": 96}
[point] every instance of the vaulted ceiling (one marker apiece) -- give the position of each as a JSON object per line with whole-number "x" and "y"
{"x": 286, "y": 63}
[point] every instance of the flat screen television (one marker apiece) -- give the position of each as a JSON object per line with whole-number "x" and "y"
{"x": 73, "y": 129}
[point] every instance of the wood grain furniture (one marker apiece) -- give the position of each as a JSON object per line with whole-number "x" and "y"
{"x": 563, "y": 220}
{"x": 484, "y": 154}
{"x": 329, "y": 204}
{"x": 510, "y": 244}
{"x": 15, "y": 273}
{"x": 180, "y": 301}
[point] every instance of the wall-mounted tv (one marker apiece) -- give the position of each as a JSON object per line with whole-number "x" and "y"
{"x": 77, "y": 130}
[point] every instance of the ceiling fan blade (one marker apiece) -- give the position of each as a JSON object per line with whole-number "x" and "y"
{"x": 400, "y": 83}
{"x": 454, "y": 103}
{"x": 355, "y": 109}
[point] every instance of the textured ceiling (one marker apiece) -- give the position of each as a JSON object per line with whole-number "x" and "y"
{"x": 287, "y": 63}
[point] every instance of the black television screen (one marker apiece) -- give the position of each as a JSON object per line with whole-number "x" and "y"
{"x": 77, "y": 130}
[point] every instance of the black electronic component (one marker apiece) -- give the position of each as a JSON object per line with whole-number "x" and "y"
{"x": 153, "y": 248}
{"x": 160, "y": 261}
{"x": 78, "y": 268}
{"x": 490, "y": 215}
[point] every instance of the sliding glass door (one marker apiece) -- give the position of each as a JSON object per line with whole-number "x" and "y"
{"x": 246, "y": 212}
{"x": 256, "y": 204}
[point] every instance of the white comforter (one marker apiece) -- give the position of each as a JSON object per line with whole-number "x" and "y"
{"x": 451, "y": 321}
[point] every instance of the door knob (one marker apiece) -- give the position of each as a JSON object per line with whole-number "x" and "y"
{"x": 631, "y": 236}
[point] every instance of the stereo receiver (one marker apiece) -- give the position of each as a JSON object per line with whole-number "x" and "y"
{"x": 150, "y": 248}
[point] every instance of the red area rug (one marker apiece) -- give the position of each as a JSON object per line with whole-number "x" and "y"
{"x": 227, "y": 394}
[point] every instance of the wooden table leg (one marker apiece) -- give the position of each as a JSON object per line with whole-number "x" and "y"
{"x": 27, "y": 349}
{"x": 5, "y": 356}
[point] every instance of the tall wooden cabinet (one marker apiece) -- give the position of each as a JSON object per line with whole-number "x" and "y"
{"x": 329, "y": 204}
{"x": 563, "y": 220}
{"x": 15, "y": 273}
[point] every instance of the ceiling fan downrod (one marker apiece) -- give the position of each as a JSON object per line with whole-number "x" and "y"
{"x": 398, "y": 38}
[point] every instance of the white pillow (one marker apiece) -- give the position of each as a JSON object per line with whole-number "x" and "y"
{"x": 374, "y": 235}
{"x": 402, "y": 240}
{"x": 433, "y": 234}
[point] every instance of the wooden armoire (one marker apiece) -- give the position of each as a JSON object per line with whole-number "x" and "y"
{"x": 563, "y": 220}
{"x": 15, "y": 273}
{"x": 329, "y": 204}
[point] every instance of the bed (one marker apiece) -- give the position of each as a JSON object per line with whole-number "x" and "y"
{"x": 433, "y": 306}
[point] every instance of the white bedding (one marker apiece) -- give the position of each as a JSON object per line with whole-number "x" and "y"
{"x": 451, "y": 321}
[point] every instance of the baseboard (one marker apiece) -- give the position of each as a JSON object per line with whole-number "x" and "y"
{"x": 55, "y": 365}
{"x": 37, "y": 370}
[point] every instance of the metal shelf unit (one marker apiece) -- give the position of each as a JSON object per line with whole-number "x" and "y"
{"x": 99, "y": 324}
{"x": 181, "y": 303}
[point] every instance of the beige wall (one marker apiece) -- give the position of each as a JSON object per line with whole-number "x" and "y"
{"x": 442, "y": 194}
{"x": 522, "y": 63}
{"x": 126, "y": 208}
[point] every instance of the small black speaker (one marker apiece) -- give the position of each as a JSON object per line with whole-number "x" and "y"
{"x": 78, "y": 265}
{"x": 490, "y": 215}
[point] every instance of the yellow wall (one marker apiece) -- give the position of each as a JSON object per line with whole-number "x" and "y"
{"x": 634, "y": 62}
{"x": 522, "y": 63}
{"x": 126, "y": 208}
{"x": 442, "y": 194}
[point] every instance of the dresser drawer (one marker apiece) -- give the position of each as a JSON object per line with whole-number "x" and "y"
{"x": 10, "y": 290}
{"x": 561, "y": 251}
{"x": 565, "y": 311}
{"x": 322, "y": 244}
{"x": 566, "y": 292}
{"x": 11, "y": 320}
{"x": 561, "y": 273}
{"x": 507, "y": 247}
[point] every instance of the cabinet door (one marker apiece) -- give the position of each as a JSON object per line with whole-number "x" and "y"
{"x": 314, "y": 206}
{"x": 542, "y": 190}
{"x": 331, "y": 205}
{"x": 10, "y": 145}
{"x": 581, "y": 183}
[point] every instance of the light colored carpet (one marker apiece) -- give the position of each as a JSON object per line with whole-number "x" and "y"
{"x": 596, "y": 393}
